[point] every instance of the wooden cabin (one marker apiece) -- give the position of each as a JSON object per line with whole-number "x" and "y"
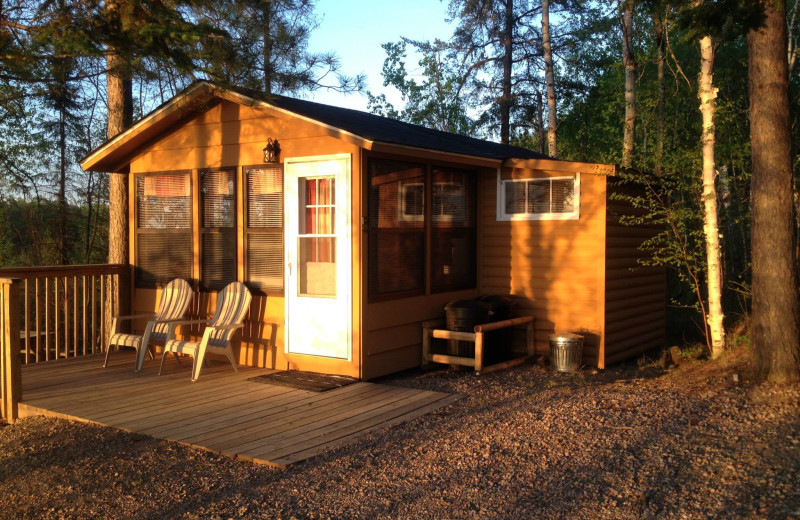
{"x": 352, "y": 229}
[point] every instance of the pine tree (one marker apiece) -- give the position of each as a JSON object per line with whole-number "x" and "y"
{"x": 775, "y": 315}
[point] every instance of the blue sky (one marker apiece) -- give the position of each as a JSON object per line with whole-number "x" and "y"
{"x": 355, "y": 30}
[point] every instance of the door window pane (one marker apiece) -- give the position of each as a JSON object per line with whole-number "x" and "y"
{"x": 317, "y": 266}
{"x": 316, "y": 246}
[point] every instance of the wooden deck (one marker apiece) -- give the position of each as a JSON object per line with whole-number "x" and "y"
{"x": 222, "y": 411}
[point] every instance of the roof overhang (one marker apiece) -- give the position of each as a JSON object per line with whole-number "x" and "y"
{"x": 426, "y": 153}
{"x": 561, "y": 166}
{"x": 115, "y": 155}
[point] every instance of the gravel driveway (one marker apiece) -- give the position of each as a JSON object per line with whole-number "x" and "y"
{"x": 522, "y": 443}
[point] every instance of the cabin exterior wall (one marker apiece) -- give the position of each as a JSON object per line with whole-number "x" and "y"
{"x": 635, "y": 319}
{"x": 553, "y": 268}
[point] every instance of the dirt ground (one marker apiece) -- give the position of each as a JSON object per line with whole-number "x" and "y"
{"x": 629, "y": 442}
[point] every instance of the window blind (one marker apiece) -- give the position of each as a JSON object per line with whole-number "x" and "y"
{"x": 218, "y": 228}
{"x": 163, "y": 228}
{"x": 264, "y": 228}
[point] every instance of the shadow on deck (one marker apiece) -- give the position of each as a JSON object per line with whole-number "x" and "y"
{"x": 222, "y": 411}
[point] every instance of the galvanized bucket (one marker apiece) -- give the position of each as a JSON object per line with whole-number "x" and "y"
{"x": 565, "y": 352}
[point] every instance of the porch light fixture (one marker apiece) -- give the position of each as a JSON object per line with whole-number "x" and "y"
{"x": 272, "y": 151}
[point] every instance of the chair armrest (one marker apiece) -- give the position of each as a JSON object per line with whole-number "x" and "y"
{"x": 135, "y": 317}
{"x": 116, "y": 319}
{"x": 174, "y": 324}
{"x": 179, "y": 321}
{"x": 227, "y": 327}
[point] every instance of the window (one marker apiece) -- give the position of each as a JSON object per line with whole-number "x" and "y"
{"x": 218, "y": 228}
{"x": 163, "y": 228}
{"x": 396, "y": 228}
{"x": 449, "y": 201}
{"x": 453, "y": 230}
{"x": 316, "y": 241}
{"x": 552, "y": 198}
{"x": 412, "y": 201}
{"x": 264, "y": 229}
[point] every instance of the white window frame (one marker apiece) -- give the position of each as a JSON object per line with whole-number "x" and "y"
{"x": 403, "y": 213}
{"x": 445, "y": 216}
{"x": 501, "y": 200}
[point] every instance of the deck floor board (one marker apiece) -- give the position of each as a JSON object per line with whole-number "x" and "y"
{"x": 222, "y": 412}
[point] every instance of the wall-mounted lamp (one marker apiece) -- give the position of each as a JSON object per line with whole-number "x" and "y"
{"x": 272, "y": 151}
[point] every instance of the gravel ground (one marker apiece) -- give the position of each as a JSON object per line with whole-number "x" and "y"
{"x": 522, "y": 443}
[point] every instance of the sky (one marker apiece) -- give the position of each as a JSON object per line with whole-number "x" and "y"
{"x": 355, "y": 30}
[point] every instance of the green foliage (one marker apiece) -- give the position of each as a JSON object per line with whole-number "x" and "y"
{"x": 591, "y": 130}
{"x": 435, "y": 101}
{"x": 29, "y": 233}
{"x": 265, "y": 48}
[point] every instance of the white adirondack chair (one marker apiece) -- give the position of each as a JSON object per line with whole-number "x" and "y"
{"x": 175, "y": 298}
{"x": 233, "y": 303}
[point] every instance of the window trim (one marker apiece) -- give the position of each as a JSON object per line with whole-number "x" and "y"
{"x": 501, "y": 199}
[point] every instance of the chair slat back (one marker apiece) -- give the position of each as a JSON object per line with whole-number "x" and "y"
{"x": 175, "y": 298}
{"x": 233, "y": 302}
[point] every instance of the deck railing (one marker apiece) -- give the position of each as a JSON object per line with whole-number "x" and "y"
{"x": 55, "y": 312}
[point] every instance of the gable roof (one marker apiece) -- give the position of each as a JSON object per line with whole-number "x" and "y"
{"x": 362, "y": 127}
{"x": 383, "y": 129}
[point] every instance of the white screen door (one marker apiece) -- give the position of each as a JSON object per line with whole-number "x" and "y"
{"x": 318, "y": 260}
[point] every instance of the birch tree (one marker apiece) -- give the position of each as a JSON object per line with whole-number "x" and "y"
{"x": 707, "y": 94}
{"x": 629, "y": 61}
{"x": 552, "y": 150}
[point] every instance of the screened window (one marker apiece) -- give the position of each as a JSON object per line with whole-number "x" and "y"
{"x": 264, "y": 228}
{"x": 398, "y": 213}
{"x": 396, "y": 228}
{"x": 453, "y": 230}
{"x": 218, "y": 228}
{"x": 163, "y": 228}
{"x": 531, "y": 199}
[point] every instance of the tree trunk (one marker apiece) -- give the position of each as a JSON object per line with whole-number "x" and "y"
{"x": 552, "y": 151}
{"x": 539, "y": 122}
{"x": 775, "y": 314}
{"x": 505, "y": 100}
{"x": 266, "y": 6}
{"x": 120, "y": 115}
{"x": 659, "y": 25}
{"x": 63, "y": 241}
{"x": 792, "y": 38}
{"x": 630, "y": 82}
{"x": 707, "y": 93}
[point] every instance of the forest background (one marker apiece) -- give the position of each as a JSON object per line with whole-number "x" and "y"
{"x": 616, "y": 82}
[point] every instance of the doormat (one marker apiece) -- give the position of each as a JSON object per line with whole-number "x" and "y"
{"x": 311, "y": 381}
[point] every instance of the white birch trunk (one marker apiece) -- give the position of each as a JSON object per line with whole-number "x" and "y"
{"x": 708, "y": 94}
{"x": 630, "y": 82}
{"x": 552, "y": 121}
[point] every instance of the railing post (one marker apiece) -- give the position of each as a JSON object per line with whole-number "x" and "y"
{"x": 10, "y": 369}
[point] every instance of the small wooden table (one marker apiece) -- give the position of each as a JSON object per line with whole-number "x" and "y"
{"x": 433, "y": 329}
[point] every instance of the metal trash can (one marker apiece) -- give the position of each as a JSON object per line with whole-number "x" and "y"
{"x": 462, "y": 316}
{"x": 565, "y": 352}
{"x": 498, "y": 342}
